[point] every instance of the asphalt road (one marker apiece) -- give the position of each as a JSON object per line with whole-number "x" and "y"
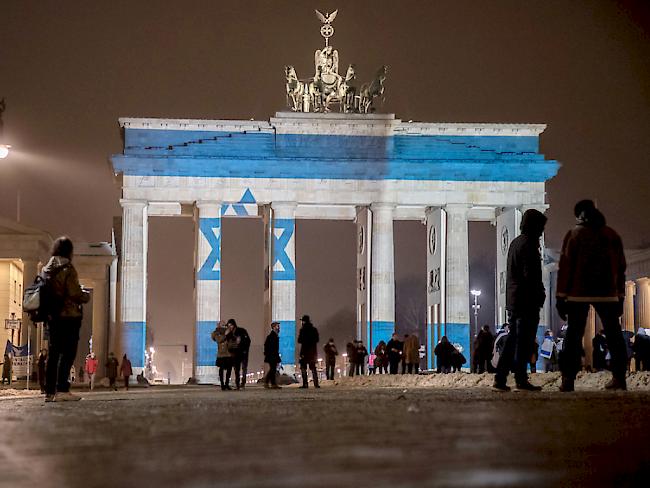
{"x": 340, "y": 437}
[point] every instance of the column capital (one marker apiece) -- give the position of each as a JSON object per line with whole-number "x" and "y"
{"x": 457, "y": 207}
{"x": 379, "y": 206}
{"x": 208, "y": 203}
{"x": 125, "y": 202}
{"x": 287, "y": 205}
{"x": 642, "y": 281}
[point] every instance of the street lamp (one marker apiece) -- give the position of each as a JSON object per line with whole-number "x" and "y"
{"x": 4, "y": 150}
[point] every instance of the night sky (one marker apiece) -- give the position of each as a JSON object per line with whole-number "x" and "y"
{"x": 69, "y": 69}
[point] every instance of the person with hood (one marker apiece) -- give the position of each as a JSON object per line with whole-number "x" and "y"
{"x": 412, "y": 353}
{"x": 591, "y": 272}
{"x": 444, "y": 352}
{"x": 112, "y": 365}
{"x": 525, "y": 297}
{"x": 65, "y": 321}
{"x": 272, "y": 355}
{"x": 239, "y": 344}
{"x": 91, "y": 369}
{"x": 548, "y": 352}
{"x": 126, "y": 371}
{"x": 394, "y": 351}
{"x": 381, "y": 358}
{"x": 330, "y": 358}
{"x": 223, "y": 361}
{"x": 308, "y": 340}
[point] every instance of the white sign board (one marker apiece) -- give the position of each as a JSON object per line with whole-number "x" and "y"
{"x": 13, "y": 324}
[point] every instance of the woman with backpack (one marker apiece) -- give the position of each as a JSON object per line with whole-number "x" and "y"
{"x": 67, "y": 297}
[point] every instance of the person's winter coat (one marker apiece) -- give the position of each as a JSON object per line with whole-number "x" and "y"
{"x": 219, "y": 336}
{"x": 111, "y": 367}
{"x": 272, "y": 348}
{"x": 484, "y": 345}
{"x": 362, "y": 353}
{"x": 381, "y": 355}
{"x": 524, "y": 286}
{"x": 412, "y": 349}
{"x": 125, "y": 368}
{"x": 351, "y": 351}
{"x": 6, "y": 367}
{"x": 65, "y": 283}
{"x": 394, "y": 350}
{"x": 444, "y": 351}
{"x": 239, "y": 342}
{"x": 308, "y": 340}
{"x": 592, "y": 263}
{"x": 330, "y": 352}
{"x": 91, "y": 365}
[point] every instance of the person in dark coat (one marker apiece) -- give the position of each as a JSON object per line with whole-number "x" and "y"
{"x": 42, "y": 360}
{"x": 591, "y": 272}
{"x": 641, "y": 349}
{"x": 483, "y": 348}
{"x": 223, "y": 362}
{"x": 112, "y": 365}
{"x": 126, "y": 371}
{"x": 7, "y": 369}
{"x": 272, "y": 355}
{"x": 330, "y": 358}
{"x": 362, "y": 354}
{"x": 457, "y": 360}
{"x": 351, "y": 351}
{"x": 599, "y": 351}
{"x": 525, "y": 297}
{"x": 394, "y": 350}
{"x": 444, "y": 352}
{"x": 239, "y": 343}
{"x": 308, "y": 340}
{"x": 381, "y": 358}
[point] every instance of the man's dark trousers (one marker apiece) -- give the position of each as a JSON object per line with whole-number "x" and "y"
{"x": 270, "y": 376}
{"x": 62, "y": 349}
{"x": 329, "y": 369}
{"x": 518, "y": 347}
{"x": 571, "y": 354}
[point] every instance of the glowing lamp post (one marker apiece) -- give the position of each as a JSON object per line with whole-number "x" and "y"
{"x": 476, "y": 307}
{"x": 4, "y": 150}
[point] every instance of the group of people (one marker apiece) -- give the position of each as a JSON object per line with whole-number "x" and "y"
{"x": 233, "y": 346}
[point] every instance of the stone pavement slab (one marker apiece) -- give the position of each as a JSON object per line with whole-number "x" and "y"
{"x": 337, "y": 436}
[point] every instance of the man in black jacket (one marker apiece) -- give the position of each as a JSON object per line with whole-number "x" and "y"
{"x": 239, "y": 343}
{"x": 272, "y": 355}
{"x": 524, "y": 298}
{"x": 308, "y": 340}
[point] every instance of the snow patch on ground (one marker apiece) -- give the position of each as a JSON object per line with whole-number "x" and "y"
{"x": 636, "y": 381}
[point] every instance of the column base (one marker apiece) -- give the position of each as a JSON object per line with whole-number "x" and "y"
{"x": 207, "y": 375}
{"x": 458, "y": 335}
{"x": 380, "y": 331}
{"x": 288, "y": 343}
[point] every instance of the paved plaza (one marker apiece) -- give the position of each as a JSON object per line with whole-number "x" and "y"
{"x": 336, "y": 436}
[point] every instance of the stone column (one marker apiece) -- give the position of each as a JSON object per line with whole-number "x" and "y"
{"x": 364, "y": 265}
{"x": 382, "y": 275}
{"x": 436, "y": 222}
{"x": 643, "y": 300}
{"x": 283, "y": 278}
{"x": 133, "y": 292}
{"x": 100, "y": 322}
{"x": 207, "y": 289}
{"x": 628, "y": 306}
{"x": 457, "y": 326}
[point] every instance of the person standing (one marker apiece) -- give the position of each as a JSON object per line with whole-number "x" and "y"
{"x": 126, "y": 371}
{"x": 330, "y": 358}
{"x": 412, "y": 354}
{"x": 381, "y": 358}
{"x": 112, "y": 365}
{"x": 272, "y": 355}
{"x": 351, "y": 351}
{"x": 548, "y": 352}
{"x": 444, "y": 353}
{"x": 394, "y": 351}
{"x": 591, "y": 272}
{"x": 483, "y": 347}
{"x": 65, "y": 320}
{"x": 238, "y": 345}
{"x": 308, "y": 340}
{"x": 7, "y": 369}
{"x": 599, "y": 351}
{"x": 223, "y": 361}
{"x": 361, "y": 355}
{"x": 525, "y": 297}
{"x": 91, "y": 369}
{"x": 42, "y": 360}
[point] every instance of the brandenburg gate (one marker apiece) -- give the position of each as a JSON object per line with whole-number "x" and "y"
{"x": 332, "y": 156}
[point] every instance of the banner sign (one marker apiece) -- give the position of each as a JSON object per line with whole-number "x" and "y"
{"x": 20, "y": 359}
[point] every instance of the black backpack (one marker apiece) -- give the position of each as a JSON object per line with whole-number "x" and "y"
{"x": 40, "y": 300}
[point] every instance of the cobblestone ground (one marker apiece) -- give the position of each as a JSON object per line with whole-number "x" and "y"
{"x": 339, "y": 436}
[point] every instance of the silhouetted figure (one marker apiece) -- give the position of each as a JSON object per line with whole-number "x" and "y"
{"x": 599, "y": 351}
{"x": 126, "y": 371}
{"x": 394, "y": 351}
{"x": 444, "y": 352}
{"x": 524, "y": 298}
{"x": 42, "y": 360}
{"x": 224, "y": 361}
{"x": 330, "y": 358}
{"x": 6, "y": 369}
{"x": 112, "y": 365}
{"x": 412, "y": 353}
{"x": 548, "y": 352}
{"x": 641, "y": 348}
{"x": 65, "y": 321}
{"x": 308, "y": 340}
{"x": 351, "y": 351}
{"x": 239, "y": 344}
{"x": 272, "y": 355}
{"x": 381, "y": 358}
{"x": 483, "y": 347}
{"x": 591, "y": 272}
{"x": 362, "y": 354}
